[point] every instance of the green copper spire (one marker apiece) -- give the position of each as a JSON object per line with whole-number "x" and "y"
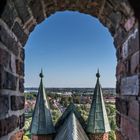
{"x": 70, "y": 108}
{"x": 71, "y": 129}
{"x": 42, "y": 121}
{"x": 98, "y": 120}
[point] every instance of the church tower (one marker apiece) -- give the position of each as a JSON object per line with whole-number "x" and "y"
{"x": 42, "y": 126}
{"x": 98, "y": 124}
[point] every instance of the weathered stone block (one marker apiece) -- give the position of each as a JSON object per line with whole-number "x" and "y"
{"x": 131, "y": 45}
{"x": 135, "y": 63}
{"x": 130, "y": 128}
{"x": 8, "y": 81}
{"x": 19, "y": 32}
{"x": 4, "y": 105}
{"x": 4, "y": 58}
{"x": 7, "y": 125}
{"x": 120, "y": 37}
{"x": 120, "y": 69}
{"x": 134, "y": 107}
{"x": 122, "y": 106}
{"x": 22, "y": 10}
{"x": 17, "y": 102}
{"x": 130, "y": 85}
{"x": 9, "y": 14}
{"x": 115, "y": 18}
{"x": 37, "y": 10}
{"x": 108, "y": 9}
{"x": 125, "y": 8}
{"x": 129, "y": 24}
{"x": 8, "y": 40}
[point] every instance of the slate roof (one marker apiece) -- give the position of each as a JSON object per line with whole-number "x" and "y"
{"x": 71, "y": 129}
{"x": 42, "y": 121}
{"x": 70, "y": 108}
{"x": 97, "y": 121}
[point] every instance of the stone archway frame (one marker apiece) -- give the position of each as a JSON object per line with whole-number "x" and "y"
{"x": 18, "y": 19}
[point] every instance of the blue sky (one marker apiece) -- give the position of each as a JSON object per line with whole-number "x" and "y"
{"x": 70, "y": 47}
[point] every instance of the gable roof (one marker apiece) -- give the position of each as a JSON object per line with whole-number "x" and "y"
{"x": 71, "y": 129}
{"x": 42, "y": 120}
{"x": 98, "y": 120}
{"x": 70, "y": 108}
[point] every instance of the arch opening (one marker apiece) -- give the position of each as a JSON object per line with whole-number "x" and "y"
{"x": 75, "y": 37}
{"x": 66, "y": 33}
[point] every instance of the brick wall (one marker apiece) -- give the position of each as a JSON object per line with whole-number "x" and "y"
{"x": 11, "y": 94}
{"x": 103, "y": 136}
{"x": 18, "y": 19}
{"x": 47, "y": 137}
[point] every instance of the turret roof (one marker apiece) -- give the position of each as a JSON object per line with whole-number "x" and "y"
{"x": 71, "y": 129}
{"x": 98, "y": 120}
{"x": 42, "y": 121}
{"x": 66, "y": 113}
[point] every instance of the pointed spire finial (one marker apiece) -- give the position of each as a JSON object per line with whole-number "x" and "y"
{"x": 98, "y": 74}
{"x": 41, "y": 120}
{"x": 41, "y": 74}
{"x": 94, "y": 124}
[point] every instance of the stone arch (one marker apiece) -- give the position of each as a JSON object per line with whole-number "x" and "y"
{"x": 17, "y": 21}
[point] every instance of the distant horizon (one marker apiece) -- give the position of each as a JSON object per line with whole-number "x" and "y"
{"x": 67, "y": 87}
